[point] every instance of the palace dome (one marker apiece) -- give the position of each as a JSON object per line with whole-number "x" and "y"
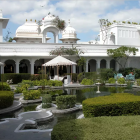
{"x": 28, "y": 27}
{"x": 49, "y": 17}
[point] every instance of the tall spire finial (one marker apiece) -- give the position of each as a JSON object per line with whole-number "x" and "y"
{"x": 1, "y": 13}
{"x": 69, "y": 22}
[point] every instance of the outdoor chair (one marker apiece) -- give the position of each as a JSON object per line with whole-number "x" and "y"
{"x": 9, "y": 81}
{"x": 130, "y": 77}
{"x": 118, "y": 75}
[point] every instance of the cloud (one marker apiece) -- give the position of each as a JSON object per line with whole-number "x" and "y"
{"x": 84, "y": 14}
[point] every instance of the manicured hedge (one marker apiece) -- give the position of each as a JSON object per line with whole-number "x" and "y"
{"x": 6, "y": 99}
{"x": 4, "y": 86}
{"x": 65, "y": 101}
{"x": 31, "y": 94}
{"x": 46, "y": 101}
{"x": 17, "y": 78}
{"x": 113, "y": 105}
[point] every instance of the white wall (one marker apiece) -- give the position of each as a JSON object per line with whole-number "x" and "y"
{"x": 1, "y": 34}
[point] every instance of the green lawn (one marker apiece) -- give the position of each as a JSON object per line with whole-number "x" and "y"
{"x": 99, "y": 128}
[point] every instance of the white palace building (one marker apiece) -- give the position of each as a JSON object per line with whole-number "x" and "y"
{"x": 31, "y": 49}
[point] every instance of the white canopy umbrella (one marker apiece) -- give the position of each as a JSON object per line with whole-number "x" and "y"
{"x": 59, "y": 61}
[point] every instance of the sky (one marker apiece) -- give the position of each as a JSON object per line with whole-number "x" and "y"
{"x": 83, "y": 14}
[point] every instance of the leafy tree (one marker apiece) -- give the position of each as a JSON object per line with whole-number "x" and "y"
{"x": 120, "y": 53}
{"x": 7, "y": 38}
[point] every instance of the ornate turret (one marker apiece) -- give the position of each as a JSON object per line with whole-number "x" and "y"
{"x": 69, "y": 34}
{"x": 3, "y": 24}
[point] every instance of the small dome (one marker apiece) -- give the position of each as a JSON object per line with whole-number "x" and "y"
{"x": 30, "y": 27}
{"x": 69, "y": 29}
{"x": 49, "y": 17}
{"x": 69, "y": 32}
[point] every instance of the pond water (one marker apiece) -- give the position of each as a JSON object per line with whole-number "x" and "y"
{"x": 81, "y": 94}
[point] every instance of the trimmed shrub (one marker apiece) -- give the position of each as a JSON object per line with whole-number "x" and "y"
{"x": 138, "y": 82}
{"x": 113, "y": 105}
{"x": 4, "y": 86}
{"x": 17, "y": 78}
{"x": 55, "y": 92}
{"x": 18, "y": 90}
{"x": 105, "y": 74}
{"x": 29, "y": 82}
{"x": 80, "y": 77}
{"x": 31, "y": 94}
{"x": 36, "y": 77}
{"x": 6, "y": 99}
{"x": 74, "y": 76}
{"x": 65, "y": 101}
{"x": 91, "y": 75}
{"x": 111, "y": 81}
{"x": 87, "y": 82}
{"x": 46, "y": 101}
{"x": 121, "y": 81}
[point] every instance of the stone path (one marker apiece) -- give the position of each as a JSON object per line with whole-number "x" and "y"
{"x": 10, "y": 128}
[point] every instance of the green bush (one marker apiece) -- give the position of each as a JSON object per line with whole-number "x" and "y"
{"x": 6, "y": 99}
{"x": 46, "y": 101}
{"x": 18, "y": 90}
{"x": 121, "y": 81}
{"x": 138, "y": 82}
{"x": 87, "y": 82}
{"x": 55, "y": 92}
{"x": 91, "y": 75}
{"x": 113, "y": 105}
{"x": 36, "y": 77}
{"x": 105, "y": 74}
{"x": 4, "y": 86}
{"x": 17, "y": 78}
{"x": 126, "y": 71}
{"x": 65, "y": 101}
{"x": 29, "y": 82}
{"x": 74, "y": 76}
{"x": 111, "y": 81}
{"x": 31, "y": 94}
{"x": 80, "y": 77}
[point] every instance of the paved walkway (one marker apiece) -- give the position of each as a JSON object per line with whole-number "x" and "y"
{"x": 10, "y": 129}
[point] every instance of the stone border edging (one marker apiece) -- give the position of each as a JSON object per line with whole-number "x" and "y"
{"x": 33, "y": 122}
{"x": 30, "y": 101}
{"x": 10, "y": 109}
{"x": 63, "y": 111}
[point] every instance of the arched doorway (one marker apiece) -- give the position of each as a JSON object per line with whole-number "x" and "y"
{"x": 112, "y": 40}
{"x": 37, "y": 66}
{"x": 52, "y": 30}
{"x": 9, "y": 66}
{"x": 112, "y": 64}
{"x": 92, "y": 65}
{"x": 103, "y": 64}
{"x": 24, "y": 66}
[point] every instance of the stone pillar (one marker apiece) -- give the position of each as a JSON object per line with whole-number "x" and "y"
{"x": 97, "y": 64}
{"x": 1, "y": 33}
{"x": 44, "y": 38}
{"x": 74, "y": 69}
{"x": 56, "y": 38}
{"x": 55, "y": 70}
{"x": 117, "y": 66}
{"x": 17, "y": 66}
{"x": 128, "y": 63}
{"x": 2, "y": 69}
{"x": 108, "y": 64}
{"x": 68, "y": 69}
{"x": 32, "y": 66}
{"x": 87, "y": 65}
